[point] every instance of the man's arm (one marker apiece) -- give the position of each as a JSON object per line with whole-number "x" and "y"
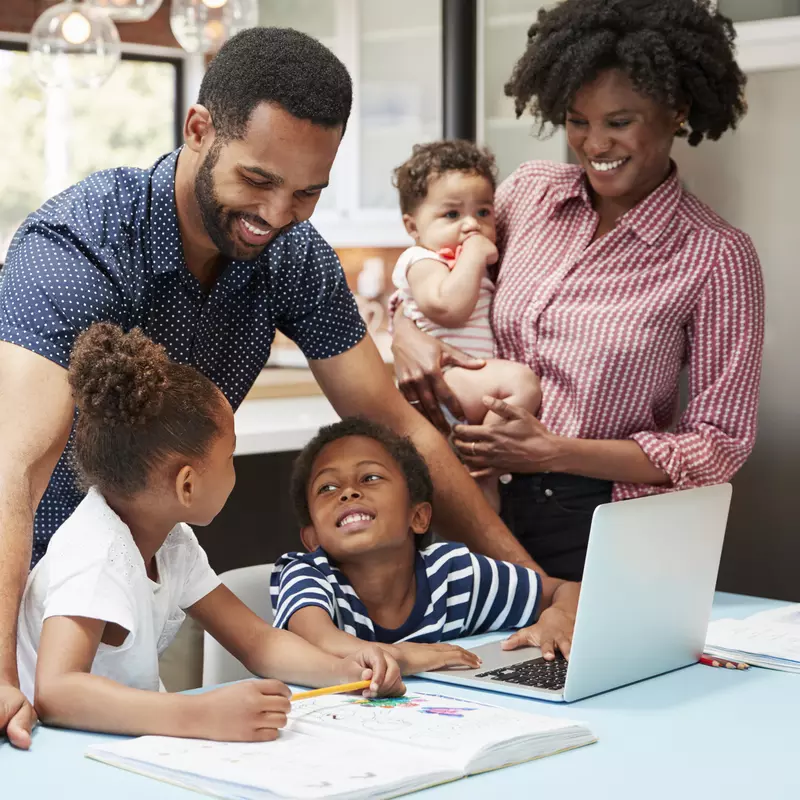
{"x": 36, "y": 410}
{"x": 357, "y": 382}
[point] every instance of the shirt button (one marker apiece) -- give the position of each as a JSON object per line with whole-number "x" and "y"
{"x": 548, "y": 492}
{"x": 505, "y": 479}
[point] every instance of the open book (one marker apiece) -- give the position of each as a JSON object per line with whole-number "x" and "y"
{"x": 768, "y": 639}
{"x": 347, "y": 746}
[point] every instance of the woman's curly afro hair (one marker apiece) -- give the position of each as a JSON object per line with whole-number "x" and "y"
{"x": 678, "y": 52}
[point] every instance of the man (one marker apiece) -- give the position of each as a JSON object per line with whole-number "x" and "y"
{"x": 208, "y": 252}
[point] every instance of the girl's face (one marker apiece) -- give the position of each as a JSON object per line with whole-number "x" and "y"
{"x": 457, "y": 205}
{"x": 214, "y": 478}
{"x": 620, "y": 137}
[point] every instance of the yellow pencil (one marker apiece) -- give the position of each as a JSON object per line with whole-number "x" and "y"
{"x": 344, "y": 687}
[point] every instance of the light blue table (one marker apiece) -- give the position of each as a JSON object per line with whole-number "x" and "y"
{"x": 695, "y": 734}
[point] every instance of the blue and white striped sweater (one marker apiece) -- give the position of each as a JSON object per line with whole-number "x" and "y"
{"x": 458, "y": 594}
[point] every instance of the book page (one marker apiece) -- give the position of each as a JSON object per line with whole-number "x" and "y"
{"x": 756, "y": 636}
{"x": 433, "y": 723}
{"x": 296, "y": 765}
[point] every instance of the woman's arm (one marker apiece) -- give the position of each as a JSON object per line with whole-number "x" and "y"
{"x": 522, "y": 444}
{"x": 67, "y": 695}
{"x": 448, "y": 297}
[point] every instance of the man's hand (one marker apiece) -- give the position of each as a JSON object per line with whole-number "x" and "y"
{"x": 17, "y": 716}
{"x": 555, "y": 626}
{"x": 414, "y": 658}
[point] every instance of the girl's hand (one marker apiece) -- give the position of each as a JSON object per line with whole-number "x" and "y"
{"x": 415, "y": 658}
{"x": 517, "y": 442}
{"x": 419, "y": 360}
{"x": 374, "y": 664}
{"x": 251, "y": 711}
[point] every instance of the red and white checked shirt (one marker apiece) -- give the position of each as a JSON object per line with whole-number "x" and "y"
{"x": 608, "y": 325}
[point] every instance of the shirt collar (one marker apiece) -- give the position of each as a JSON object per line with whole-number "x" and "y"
{"x": 647, "y": 220}
{"x": 166, "y": 249}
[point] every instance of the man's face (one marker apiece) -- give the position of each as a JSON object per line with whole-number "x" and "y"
{"x": 252, "y": 189}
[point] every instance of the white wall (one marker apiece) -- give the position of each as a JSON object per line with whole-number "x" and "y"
{"x": 752, "y": 178}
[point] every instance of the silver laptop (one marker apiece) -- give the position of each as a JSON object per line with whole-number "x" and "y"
{"x": 648, "y": 584}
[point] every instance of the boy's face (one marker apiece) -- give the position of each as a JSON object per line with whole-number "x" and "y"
{"x": 458, "y": 204}
{"x": 359, "y": 502}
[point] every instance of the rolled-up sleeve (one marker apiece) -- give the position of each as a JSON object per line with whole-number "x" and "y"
{"x": 725, "y": 335}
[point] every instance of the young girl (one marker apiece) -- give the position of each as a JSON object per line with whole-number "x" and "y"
{"x": 155, "y": 442}
{"x": 446, "y": 194}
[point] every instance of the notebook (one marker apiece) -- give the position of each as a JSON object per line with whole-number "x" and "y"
{"x": 349, "y": 746}
{"x": 768, "y": 639}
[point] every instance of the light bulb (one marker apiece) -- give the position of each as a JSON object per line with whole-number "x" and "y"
{"x": 203, "y": 26}
{"x": 128, "y": 10}
{"x": 76, "y": 29}
{"x": 73, "y": 45}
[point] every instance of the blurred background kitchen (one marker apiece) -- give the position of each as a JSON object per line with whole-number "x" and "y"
{"x": 421, "y": 69}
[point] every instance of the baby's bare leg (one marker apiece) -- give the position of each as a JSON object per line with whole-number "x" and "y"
{"x": 506, "y": 380}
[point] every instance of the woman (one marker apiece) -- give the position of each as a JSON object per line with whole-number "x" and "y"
{"x": 613, "y": 278}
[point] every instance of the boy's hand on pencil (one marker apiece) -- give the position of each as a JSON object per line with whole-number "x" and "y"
{"x": 251, "y": 711}
{"x": 374, "y": 664}
{"x": 415, "y": 658}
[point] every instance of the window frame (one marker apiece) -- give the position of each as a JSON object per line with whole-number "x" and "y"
{"x": 189, "y": 71}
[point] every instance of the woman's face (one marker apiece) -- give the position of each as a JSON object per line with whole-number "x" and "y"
{"x": 620, "y": 137}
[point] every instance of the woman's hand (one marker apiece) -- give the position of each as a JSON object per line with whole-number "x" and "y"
{"x": 516, "y": 442}
{"x": 418, "y": 363}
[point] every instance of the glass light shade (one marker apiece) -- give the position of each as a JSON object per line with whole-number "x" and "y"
{"x": 128, "y": 10}
{"x": 73, "y": 45}
{"x": 203, "y": 26}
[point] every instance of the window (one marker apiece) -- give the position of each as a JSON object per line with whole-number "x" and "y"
{"x": 53, "y": 138}
{"x": 750, "y": 10}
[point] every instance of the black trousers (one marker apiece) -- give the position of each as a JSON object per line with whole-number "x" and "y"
{"x": 551, "y": 514}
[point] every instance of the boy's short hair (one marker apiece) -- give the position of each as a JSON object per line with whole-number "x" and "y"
{"x": 401, "y": 449}
{"x": 435, "y": 158}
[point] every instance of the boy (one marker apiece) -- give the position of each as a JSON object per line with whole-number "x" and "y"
{"x": 363, "y": 496}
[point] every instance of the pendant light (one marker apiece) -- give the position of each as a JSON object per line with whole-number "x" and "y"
{"x": 73, "y": 45}
{"x": 203, "y": 26}
{"x": 128, "y": 10}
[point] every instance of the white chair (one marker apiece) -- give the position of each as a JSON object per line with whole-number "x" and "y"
{"x": 251, "y": 586}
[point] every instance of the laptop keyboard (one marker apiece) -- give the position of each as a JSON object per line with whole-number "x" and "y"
{"x": 537, "y": 673}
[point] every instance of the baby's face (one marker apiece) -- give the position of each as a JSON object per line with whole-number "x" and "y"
{"x": 458, "y": 204}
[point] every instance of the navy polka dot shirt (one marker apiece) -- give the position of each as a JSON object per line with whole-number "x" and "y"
{"x": 109, "y": 248}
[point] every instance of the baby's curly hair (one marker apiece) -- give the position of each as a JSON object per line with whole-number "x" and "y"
{"x": 401, "y": 449}
{"x": 678, "y": 52}
{"x": 435, "y": 158}
{"x": 136, "y": 408}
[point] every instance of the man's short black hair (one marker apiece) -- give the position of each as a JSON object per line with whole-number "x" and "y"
{"x": 401, "y": 449}
{"x": 275, "y": 65}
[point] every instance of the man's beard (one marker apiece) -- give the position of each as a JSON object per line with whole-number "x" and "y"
{"x": 219, "y": 224}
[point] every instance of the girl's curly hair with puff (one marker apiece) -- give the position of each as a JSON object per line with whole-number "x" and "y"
{"x": 677, "y": 52}
{"x": 136, "y": 408}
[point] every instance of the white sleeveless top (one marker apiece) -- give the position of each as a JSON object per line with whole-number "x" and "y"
{"x": 475, "y": 338}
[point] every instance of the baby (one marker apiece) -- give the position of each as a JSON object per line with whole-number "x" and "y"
{"x": 447, "y": 198}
